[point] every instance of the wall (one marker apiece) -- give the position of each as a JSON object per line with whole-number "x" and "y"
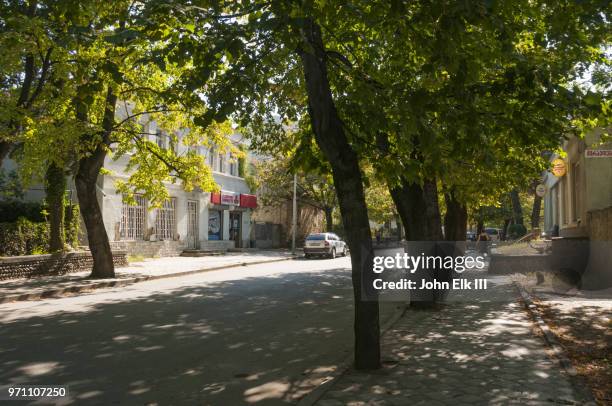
{"x": 309, "y": 220}
{"x": 594, "y": 190}
{"x": 52, "y": 264}
{"x": 598, "y": 274}
{"x": 150, "y": 248}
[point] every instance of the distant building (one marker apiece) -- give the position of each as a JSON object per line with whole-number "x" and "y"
{"x": 271, "y": 227}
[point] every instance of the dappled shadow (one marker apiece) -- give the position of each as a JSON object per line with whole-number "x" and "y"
{"x": 232, "y": 342}
{"x": 468, "y": 352}
{"x": 143, "y": 269}
{"x": 583, "y": 328}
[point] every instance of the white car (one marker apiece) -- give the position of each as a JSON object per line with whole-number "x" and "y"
{"x": 324, "y": 244}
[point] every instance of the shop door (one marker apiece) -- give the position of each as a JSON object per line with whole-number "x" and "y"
{"x": 192, "y": 224}
{"x": 235, "y": 221}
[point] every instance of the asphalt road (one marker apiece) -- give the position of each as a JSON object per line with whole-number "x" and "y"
{"x": 259, "y": 334}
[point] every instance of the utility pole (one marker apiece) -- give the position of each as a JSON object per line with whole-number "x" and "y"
{"x": 294, "y": 221}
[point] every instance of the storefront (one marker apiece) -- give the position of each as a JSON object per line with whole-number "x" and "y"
{"x": 215, "y": 225}
{"x": 229, "y": 219}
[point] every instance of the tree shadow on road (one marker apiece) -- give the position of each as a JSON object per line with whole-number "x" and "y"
{"x": 218, "y": 343}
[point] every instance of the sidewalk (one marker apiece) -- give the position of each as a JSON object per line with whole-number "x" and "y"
{"x": 478, "y": 350}
{"x": 151, "y": 268}
{"x": 579, "y": 322}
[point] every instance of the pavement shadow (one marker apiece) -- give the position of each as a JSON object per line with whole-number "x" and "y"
{"x": 218, "y": 343}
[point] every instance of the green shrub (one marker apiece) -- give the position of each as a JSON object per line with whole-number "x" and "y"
{"x": 23, "y": 237}
{"x": 72, "y": 223}
{"x": 516, "y": 231}
{"x": 12, "y": 209}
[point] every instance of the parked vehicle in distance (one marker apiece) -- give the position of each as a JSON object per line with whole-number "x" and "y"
{"x": 493, "y": 233}
{"x": 471, "y": 236}
{"x": 324, "y": 244}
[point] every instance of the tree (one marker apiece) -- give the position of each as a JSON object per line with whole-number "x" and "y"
{"x": 26, "y": 66}
{"x": 275, "y": 55}
{"x": 275, "y": 176}
{"x": 110, "y": 53}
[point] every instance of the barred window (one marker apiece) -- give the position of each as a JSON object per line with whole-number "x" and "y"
{"x": 133, "y": 219}
{"x": 222, "y": 163}
{"x": 160, "y": 139}
{"x": 233, "y": 166}
{"x": 165, "y": 224}
{"x": 211, "y": 158}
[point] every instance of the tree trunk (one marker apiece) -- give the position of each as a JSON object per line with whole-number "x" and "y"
{"x": 86, "y": 184}
{"x": 535, "y": 212}
{"x": 455, "y": 219}
{"x": 505, "y": 229}
{"x": 331, "y": 139}
{"x": 479, "y": 226}
{"x": 419, "y": 210}
{"x": 329, "y": 219}
{"x": 55, "y": 188}
{"x": 517, "y": 210}
{"x": 5, "y": 148}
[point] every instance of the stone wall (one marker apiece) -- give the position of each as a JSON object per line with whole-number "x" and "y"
{"x": 28, "y": 266}
{"x": 600, "y": 224}
{"x": 598, "y": 274}
{"x": 150, "y": 248}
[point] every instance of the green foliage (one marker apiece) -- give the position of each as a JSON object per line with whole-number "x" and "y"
{"x": 72, "y": 224}
{"x": 469, "y": 93}
{"x": 275, "y": 178}
{"x": 10, "y": 185}
{"x": 11, "y": 210}
{"x": 106, "y": 52}
{"x": 242, "y": 162}
{"x": 516, "y": 231}
{"x": 23, "y": 237}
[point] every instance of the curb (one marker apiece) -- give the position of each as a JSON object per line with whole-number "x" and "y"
{"x": 582, "y": 391}
{"x": 317, "y": 393}
{"x": 60, "y": 292}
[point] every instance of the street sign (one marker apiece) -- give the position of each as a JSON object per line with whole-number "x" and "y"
{"x": 598, "y": 153}
{"x": 558, "y": 167}
{"x": 540, "y": 190}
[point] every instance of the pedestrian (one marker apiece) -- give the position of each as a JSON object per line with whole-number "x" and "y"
{"x": 482, "y": 241}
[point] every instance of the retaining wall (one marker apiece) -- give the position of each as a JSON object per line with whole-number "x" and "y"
{"x": 28, "y": 266}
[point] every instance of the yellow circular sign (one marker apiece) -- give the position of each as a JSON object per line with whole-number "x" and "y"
{"x": 558, "y": 167}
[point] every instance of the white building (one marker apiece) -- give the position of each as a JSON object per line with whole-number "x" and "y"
{"x": 188, "y": 220}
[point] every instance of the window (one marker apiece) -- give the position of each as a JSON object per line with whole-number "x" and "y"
{"x": 556, "y": 206}
{"x": 564, "y": 204}
{"x": 165, "y": 224}
{"x": 221, "y": 162}
{"x": 575, "y": 192}
{"x": 211, "y": 158}
{"x": 173, "y": 143}
{"x": 233, "y": 166}
{"x": 133, "y": 219}
{"x": 160, "y": 139}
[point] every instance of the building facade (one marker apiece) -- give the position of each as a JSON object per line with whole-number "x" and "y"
{"x": 578, "y": 210}
{"x": 584, "y": 187}
{"x": 193, "y": 220}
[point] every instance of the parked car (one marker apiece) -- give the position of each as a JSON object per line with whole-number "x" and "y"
{"x": 324, "y": 244}
{"x": 493, "y": 233}
{"x": 470, "y": 236}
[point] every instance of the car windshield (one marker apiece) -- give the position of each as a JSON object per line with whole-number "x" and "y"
{"x": 314, "y": 237}
{"x": 491, "y": 231}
